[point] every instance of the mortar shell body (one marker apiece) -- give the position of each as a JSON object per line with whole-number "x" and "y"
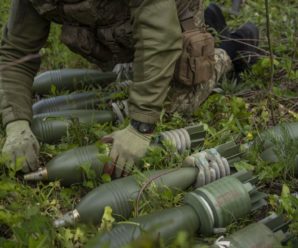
{"x": 174, "y": 173}
{"x": 67, "y": 166}
{"x": 50, "y": 131}
{"x": 212, "y": 202}
{"x": 164, "y": 224}
{"x": 71, "y": 79}
{"x": 86, "y": 100}
{"x": 120, "y": 194}
{"x": 83, "y": 116}
{"x": 51, "y": 127}
{"x": 218, "y": 204}
{"x": 278, "y": 133}
{"x": 252, "y": 236}
{"x": 269, "y": 155}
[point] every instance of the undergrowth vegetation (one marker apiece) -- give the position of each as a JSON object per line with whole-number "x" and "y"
{"x": 239, "y": 112}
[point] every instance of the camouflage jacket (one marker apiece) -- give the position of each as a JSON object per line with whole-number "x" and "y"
{"x": 101, "y": 31}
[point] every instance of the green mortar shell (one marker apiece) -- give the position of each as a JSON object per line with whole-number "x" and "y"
{"x": 278, "y": 133}
{"x": 167, "y": 223}
{"x": 71, "y": 79}
{"x": 90, "y": 207}
{"x": 164, "y": 224}
{"x": 82, "y": 115}
{"x": 50, "y": 131}
{"x": 269, "y": 155}
{"x": 45, "y": 130}
{"x": 39, "y": 176}
{"x": 67, "y": 166}
{"x": 120, "y": 194}
{"x": 51, "y": 127}
{"x": 218, "y": 204}
{"x": 252, "y": 236}
{"x": 86, "y": 100}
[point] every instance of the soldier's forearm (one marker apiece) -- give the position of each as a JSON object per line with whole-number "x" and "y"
{"x": 158, "y": 36}
{"x": 23, "y": 37}
{"x": 17, "y": 70}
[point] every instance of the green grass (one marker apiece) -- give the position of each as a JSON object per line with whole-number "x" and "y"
{"x": 239, "y": 113}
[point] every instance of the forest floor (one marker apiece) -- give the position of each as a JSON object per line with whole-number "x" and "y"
{"x": 264, "y": 98}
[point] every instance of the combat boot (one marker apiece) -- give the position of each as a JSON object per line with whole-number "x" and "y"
{"x": 242, "y": 46}
{"x": 215, "y": 19}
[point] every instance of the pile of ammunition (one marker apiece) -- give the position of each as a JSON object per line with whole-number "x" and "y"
{"x": 52, "y": 117}
{"x": 220, "y": 194}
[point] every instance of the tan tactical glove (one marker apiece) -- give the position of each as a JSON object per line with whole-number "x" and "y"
{"x": 21, "y": 143}
{"x": 129, "y": 146}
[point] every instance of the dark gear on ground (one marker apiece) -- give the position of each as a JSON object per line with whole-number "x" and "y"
{"x": 215, "y": 19}
{"x": 241, "y": 46}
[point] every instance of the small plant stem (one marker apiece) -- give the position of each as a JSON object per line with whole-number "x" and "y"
{"x": 146, "y": 184}
{"x": 270, "y": 88}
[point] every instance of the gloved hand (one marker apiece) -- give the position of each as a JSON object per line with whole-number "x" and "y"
{"x": 21, "y": 142}
{"x": 129, "y": 146}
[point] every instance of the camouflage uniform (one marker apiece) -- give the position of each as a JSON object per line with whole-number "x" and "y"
{"x": 101, "y": 31}
{"x": 185, "y": 99}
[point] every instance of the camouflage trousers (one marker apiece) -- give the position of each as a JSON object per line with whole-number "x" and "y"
{"x": 185, "y": 99}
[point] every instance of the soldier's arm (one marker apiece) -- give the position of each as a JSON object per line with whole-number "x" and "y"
{"x": 158, "y": 38}
{"x": 24, "y": 35}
